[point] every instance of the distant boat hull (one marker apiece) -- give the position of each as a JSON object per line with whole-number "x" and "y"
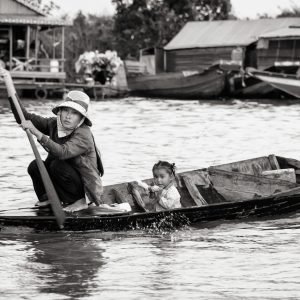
{"x": 260, "y": 89}
{"x": 289, "y": 84}
{"x": 207, "y": 84}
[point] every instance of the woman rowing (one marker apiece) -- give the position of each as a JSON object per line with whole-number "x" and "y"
{"x": 74, "y": 163}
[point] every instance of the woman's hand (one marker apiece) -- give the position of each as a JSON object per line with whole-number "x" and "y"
{"x": 28, "y": 125}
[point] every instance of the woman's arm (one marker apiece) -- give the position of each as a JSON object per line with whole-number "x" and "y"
{"x": 78, "y": 144}
{"x": 41, "y": 123}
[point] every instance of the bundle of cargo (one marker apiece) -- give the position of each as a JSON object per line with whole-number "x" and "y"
{"x": 98, "y": 67}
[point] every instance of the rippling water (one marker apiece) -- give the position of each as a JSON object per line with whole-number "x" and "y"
{"x": 258, "y": 259}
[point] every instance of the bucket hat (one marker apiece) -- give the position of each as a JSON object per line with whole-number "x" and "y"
{"x": 77, "y": 100}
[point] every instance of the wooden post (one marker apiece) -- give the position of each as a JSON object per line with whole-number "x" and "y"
{"x": 294, "y": 50}
{"x": 53, "y": 42}
{"x": 27, "y": 43}
{"x": 278, "y": 50}
{"x": 10, "y": 47}
{"x": 62, "y": 48}
{"x": 36, "y": 45}
{"x": 165, "y": 60}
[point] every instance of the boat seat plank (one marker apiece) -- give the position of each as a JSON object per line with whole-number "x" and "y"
{"x": 138, "y": 199}
{"x": 193, "y": 191}
{"x": 286, "y": 163}
{"x": 199, "y": 182}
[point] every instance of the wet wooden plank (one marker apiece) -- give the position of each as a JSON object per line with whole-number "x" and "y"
{"x": 193, "y": 191}
{"x": 282, "y": 174}
{"x": 291, "y": 192}
{"x": 237, "y": 186}
{"x": 253, "y": 166}
{"x": 274, "y": 163}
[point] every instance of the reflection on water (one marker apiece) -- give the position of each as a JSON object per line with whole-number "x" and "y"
{"x": 229, "y": 260}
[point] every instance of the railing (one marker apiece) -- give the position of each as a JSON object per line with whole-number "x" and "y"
{"x": 135, "y": 67}
{"x": 39, "y": 65}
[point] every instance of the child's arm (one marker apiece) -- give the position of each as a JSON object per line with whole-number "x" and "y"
{"x": 145, "y": 186}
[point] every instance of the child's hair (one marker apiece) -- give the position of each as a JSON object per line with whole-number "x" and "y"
{"x": 170, "y": 168}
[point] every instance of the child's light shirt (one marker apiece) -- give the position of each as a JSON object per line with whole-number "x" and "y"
{"x": 169, "y": 198}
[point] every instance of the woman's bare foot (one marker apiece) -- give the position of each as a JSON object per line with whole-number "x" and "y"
{"x": 42, "y": 204}
{"x": 76, "y": 206}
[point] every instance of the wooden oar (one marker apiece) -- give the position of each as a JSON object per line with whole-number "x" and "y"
{"x": 50, "y": 190}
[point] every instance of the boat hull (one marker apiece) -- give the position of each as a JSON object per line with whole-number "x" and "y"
{"x": 224, "y": 192}
{"x": 195, "y": 85}
{"x": 171, "y": 219}
{"x": 289, "y": 84}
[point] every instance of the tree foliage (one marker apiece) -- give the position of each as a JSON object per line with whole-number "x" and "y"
{"x": 45, "y": 6}
{"x": 88, "y": 33}
{"x": 147, "y": 23}
{"x": 294, "y": 11}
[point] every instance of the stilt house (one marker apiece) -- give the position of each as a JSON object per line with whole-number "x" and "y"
{"x": 279, "y": 48}
{"x": 199, "y": 44}
{"x": 23, "y": 27}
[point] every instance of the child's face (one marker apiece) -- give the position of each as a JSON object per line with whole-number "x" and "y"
{"x": 69, "y": 117}
{"x": 161, "y": 177}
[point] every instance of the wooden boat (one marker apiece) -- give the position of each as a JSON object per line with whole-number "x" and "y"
{"x": 205, "y": 84}
{"x": 264, "y": 186}
{"x": 287, "y": 83}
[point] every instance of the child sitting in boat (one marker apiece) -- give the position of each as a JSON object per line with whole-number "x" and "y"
{"x": 73, "y": 162}
{"x": 164, "y": 193}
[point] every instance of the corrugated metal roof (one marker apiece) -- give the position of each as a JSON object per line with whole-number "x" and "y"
{"x": 283, "y": 33}
{"x": 32, "y": 20}
{"x": 205, "y": 34}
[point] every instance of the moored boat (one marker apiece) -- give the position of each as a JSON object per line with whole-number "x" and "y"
{"x": 287, "y": 83}
{"x": 264, "y": 186}
{"x": 204, "y": 84}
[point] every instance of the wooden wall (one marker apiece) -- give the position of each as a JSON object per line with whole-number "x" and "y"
{"x": 278, "y": 50}
{"x": 195, "y": 59}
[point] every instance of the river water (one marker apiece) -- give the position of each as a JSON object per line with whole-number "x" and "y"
{"x": 257, "y": 259}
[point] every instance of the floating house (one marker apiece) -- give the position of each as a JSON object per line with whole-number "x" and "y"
{"x": 200, "y": 44}
{"x": 278, "y": 52}
{"x": 279, "y": 48}
{"x": 22, "y": 28}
